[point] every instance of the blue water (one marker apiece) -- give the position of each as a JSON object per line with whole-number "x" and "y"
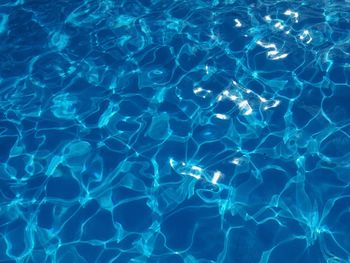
{"x": 175, "y": 131}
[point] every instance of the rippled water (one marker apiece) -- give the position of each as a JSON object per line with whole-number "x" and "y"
{"x": 175, "y": 131}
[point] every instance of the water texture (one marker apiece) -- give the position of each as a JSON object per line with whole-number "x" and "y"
{"x": 175, "y": 131}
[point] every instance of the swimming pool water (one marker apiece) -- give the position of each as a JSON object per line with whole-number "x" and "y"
{"x": 175, "y": 131}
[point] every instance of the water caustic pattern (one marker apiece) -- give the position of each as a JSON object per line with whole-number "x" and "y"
{"x": 175, "y": 131}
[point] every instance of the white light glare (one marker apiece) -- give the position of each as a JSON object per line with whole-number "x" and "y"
{"x": 238, "y": 23}
{"x": 216, "y": 177}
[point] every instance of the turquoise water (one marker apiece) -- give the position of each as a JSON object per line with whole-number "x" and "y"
{"x": 174, "y": 131}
